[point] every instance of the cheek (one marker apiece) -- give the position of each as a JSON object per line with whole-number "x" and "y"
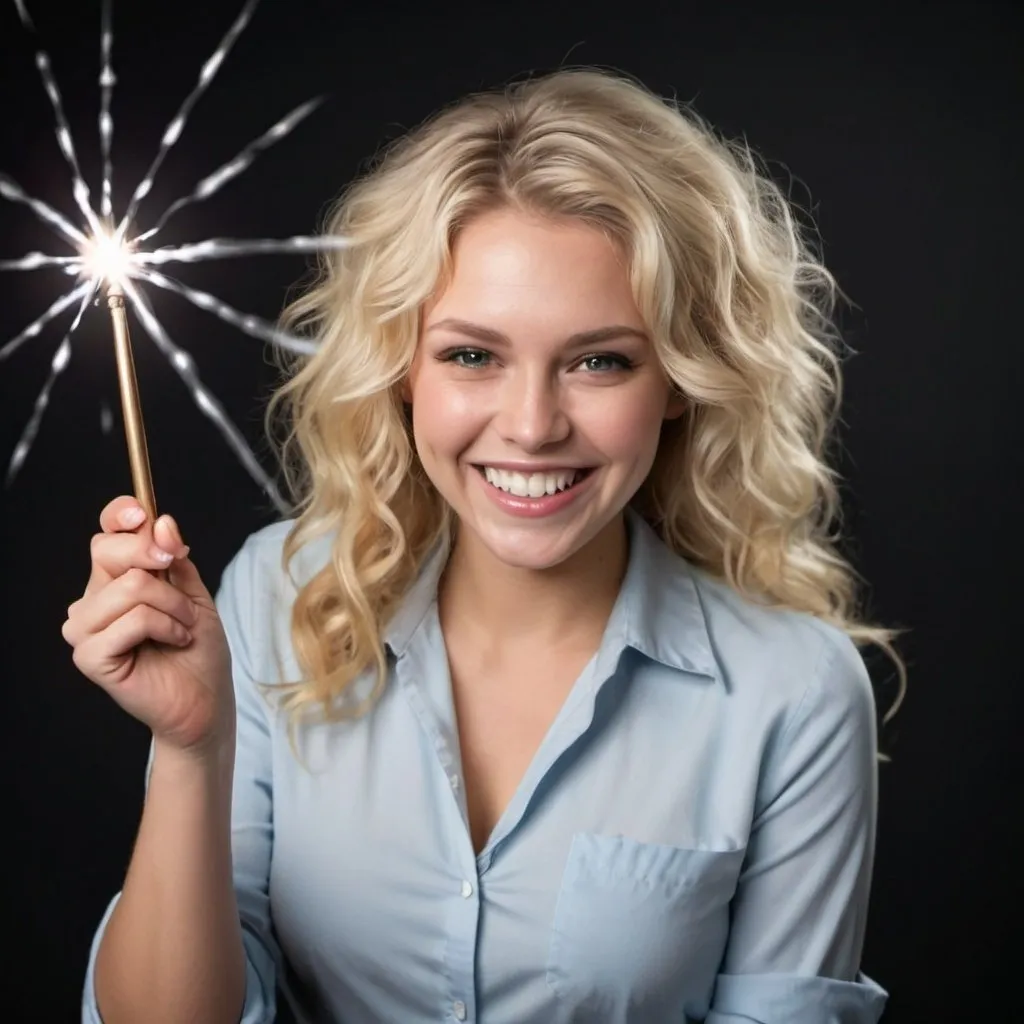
{"x": 444, "y": 417}
{"x": 630, "y": 430}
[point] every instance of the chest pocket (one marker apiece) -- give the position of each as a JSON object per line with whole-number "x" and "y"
{"x": 639, "y": 928}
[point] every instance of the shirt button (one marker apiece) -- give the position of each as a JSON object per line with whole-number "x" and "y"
{"x": 467, "y": 889}
{"x": 460, "y": 1009}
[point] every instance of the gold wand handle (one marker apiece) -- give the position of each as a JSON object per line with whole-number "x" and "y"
{"x": 135, "y": 433}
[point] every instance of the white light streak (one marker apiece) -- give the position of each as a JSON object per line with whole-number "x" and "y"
{"x": 39, "y": 323}
{"x": 105, "y": 255}
{"x": 57, "y": 367}
{"x": 237, "y": 165}
{"x": 254, "y": 326}
{"x": 203, "y": 397}
{"x": 79, "y": 189}
{"x": 227, "y": 248}
{"x": 23, "y": 14}
{"x": 35, "y": 260}
{"x": 106, "y": 122}
{"x": 173, "y": 131}
{"x": 13, "y": 192}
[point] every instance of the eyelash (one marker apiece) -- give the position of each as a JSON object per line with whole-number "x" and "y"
{"x": 452, "y": 356}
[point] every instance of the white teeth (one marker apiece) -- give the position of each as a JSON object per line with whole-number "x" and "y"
{"x": 535, "y": 485}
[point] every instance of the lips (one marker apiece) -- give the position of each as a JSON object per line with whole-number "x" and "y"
{"x": 535, "y": 504}
{"x": 531, "y": 484}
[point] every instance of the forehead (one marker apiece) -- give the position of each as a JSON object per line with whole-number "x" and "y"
{"x": 515, "y": 271}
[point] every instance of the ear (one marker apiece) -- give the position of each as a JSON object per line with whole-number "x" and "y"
{"x": 405, "y": 390}
{"x": 675, "y": 406}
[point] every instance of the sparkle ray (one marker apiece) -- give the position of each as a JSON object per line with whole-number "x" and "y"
{"x": 37, "y": 260}
{"x": 237, "y": 165}
{"x": 40, "y": 322}
{"x": 254, "y": 326}
{"x": 79, "y": 188}
{"x": 228, "y": 248}
{"x": 106, "y": 121}
{"x": 106, "y": 256}
{"x": 185, "y": 367}
{"x": 14, "y": 193}
{"x": 173, "y": 131}
{"x": 24, "y": 15}
{"x": 57, "y": 366}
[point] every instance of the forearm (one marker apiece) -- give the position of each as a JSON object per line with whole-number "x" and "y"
{"x": 172, "y": 950}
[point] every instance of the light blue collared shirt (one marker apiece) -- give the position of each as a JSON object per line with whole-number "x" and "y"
{"x": 693, "y": 840}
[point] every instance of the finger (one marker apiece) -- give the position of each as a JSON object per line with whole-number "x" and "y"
{"x": 113, "y": 554}
{"x": 123, "y": 513}
{"x": 135, "y": 587}
{"x": 185, "y": 577}
{"x": 168, "y": 536}
{"x": 103, "y": 656}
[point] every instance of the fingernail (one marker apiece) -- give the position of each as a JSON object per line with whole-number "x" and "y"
{"x": 132, "y": 516}
{"x": 159, "y": 555}
{"x": 172, "y": 528}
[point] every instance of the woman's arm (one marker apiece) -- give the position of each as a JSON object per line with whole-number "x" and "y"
{"x": 172, "y": 949}
{"x": 800, "y": 909}
{"x": 189, "y": 937}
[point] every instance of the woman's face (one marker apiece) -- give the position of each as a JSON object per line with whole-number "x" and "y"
{"x": 537, "y": 398}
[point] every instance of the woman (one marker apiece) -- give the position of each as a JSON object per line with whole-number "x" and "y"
{"x": 547, "y": 705}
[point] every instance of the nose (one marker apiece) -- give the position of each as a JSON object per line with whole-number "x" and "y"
{"x": 530, "y": 414}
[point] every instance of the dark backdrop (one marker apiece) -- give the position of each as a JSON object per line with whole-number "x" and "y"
{"x": 894, "y": 126}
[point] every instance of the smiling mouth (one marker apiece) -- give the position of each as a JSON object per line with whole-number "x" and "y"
{"x": 532, "y": 485}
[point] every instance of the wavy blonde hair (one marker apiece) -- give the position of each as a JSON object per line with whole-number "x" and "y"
{"x": 739, "y": 307}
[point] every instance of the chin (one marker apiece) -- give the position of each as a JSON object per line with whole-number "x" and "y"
{"x": 528, "y": 548}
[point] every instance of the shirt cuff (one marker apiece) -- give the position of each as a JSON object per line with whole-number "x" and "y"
{"x": 795, "y": 999}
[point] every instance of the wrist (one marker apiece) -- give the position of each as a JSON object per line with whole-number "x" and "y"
{"x": 210, "y": 761}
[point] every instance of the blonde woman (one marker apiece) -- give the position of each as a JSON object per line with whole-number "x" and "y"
{"x": 547, "y": 705}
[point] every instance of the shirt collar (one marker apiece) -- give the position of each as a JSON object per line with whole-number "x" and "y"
{"x": 658, "y": 611}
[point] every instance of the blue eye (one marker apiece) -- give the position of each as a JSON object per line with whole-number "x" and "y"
{"x": 603, "y": 362}
{"x": 470, "y": 358}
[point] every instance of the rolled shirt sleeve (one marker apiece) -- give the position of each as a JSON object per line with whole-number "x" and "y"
{"x": 800, "y": 908}
{"x": 251, "y": 807}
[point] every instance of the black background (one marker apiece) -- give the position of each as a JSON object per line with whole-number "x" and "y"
{"x": 895, "y": 125}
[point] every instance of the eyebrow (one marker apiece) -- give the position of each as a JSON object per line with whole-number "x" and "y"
{"x": 495, "y": 337}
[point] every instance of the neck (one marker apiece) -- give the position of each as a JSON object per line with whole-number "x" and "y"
{"x": 493, "y": 602}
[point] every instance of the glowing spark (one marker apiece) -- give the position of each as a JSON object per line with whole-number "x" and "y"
{"x": 202, "y": 396}
{"x": 213, "y": 183}
{"x": 173, "y": 131}
{"x": 38, "y": 324}
{"x": 57, "y": 366}
{"x": 35, "y": 260}
{"x": 23, "y": 14}
{"x": 107, "y": 82}
{"x": 107, "y": 257}
{"x": 254, "y": 326}
{"x": 79, "y": 189}
{"x": 224, "y": 248}
{"x": 13, "y": 192}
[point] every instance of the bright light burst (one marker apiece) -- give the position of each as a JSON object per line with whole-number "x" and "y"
{"x": 107, "y": 254}
{"x": 107, "y": 260}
